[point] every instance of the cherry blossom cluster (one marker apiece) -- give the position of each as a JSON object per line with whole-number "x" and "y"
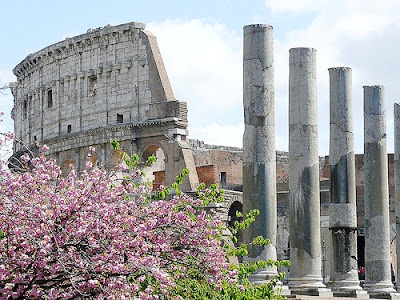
{"x": 91, "y": 235}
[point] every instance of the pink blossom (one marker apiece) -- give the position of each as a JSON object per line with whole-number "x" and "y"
{"x": 9, "y": 136}
{"x": 44, "y": 149}
{"x": 25, "y": 158}
{"x": 95, "y": 233}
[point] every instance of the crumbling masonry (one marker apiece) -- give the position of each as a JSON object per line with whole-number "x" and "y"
{"x": 111, "y": 83}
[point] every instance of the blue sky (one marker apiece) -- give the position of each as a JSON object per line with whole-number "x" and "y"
{"x": 201, "y": 44}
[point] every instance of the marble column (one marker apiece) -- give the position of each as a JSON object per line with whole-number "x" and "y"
{"x": 304, "y": 199}
{"x": 376, "y": 194}
{"x": 259, "y": 154}
{"x": 343, "y": 212}
{"x": 397, "y": 184}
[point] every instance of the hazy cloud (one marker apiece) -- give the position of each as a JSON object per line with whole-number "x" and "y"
{"x": 360, "y": 34}
{"x": 204, "y": 64}
{"x": 294, "y": 5}
{"x": 6, "y": 101}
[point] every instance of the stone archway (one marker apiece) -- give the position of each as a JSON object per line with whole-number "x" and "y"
{"x": 115, "y": 160}
{"x": 156, "y": 172}
{"x": 177, "y": 156}
{"x": 93, "y": 158}
{"x": 67, "y": 166}
{"x": 235, "y": 207}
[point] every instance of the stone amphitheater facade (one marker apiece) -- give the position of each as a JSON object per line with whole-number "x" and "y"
{"x": 109, "y": 83}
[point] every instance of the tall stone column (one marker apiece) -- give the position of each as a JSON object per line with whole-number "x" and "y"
{"x": 376, "y": 194}
{"x": 304, "y": 199}
{"x": 397, "y": 184}
{"x": 259, "y": 154}
{"x": 343, "y": 212}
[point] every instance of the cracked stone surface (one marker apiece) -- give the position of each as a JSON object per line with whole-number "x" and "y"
{"x": 377, "y": 223}
{"x": 397, "y": 182}
{"x": 343, "y": 215}
{"x": 259, "y": 154}
{"x": 305, "y": 241}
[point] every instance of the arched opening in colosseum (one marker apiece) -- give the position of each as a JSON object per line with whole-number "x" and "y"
{"x": 92, "y": 157}
{"x": 67, "y": 166}
{"x": 235, "y": 207}
{"x": 156, "y": 172}
{"x": 115, "y": 160}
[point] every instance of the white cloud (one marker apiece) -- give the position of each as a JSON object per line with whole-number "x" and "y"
{"x": 216, "y": 134}
{"x": 204, "y": 64}
{"x": 294, "y": 5}
{"x": 359, "y": 34}
{"x": 6, "y": 77}
{"x": 6, "y": 101}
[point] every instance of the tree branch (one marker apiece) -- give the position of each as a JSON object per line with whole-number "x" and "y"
{"x": 2, "y": 89}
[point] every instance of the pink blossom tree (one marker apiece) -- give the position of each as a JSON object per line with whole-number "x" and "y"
{"x": 96, "y": 236}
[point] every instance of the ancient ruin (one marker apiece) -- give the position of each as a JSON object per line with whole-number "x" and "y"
{"x": 304, "y": 207}
{"x": 343, "y": 212}
{"x": 377, "y": 230}
{"x": 397, "y": 181}
{"x": 328, "y": 215}
{"x": 259, "y": 162}
{"x": 109, "y": 83}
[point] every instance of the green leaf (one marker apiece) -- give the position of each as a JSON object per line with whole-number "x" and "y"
{"x": 115, "y": 145}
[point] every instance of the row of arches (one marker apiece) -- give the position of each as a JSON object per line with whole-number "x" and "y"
{"x": 68, "y": 163}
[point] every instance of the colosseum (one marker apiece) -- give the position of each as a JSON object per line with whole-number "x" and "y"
{"x": 111, "y": 83}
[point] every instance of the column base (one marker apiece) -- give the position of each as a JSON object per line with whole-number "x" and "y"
{"x": 262, "y": 276}
{"x": 381, "y": 290}
{"x": 285, "y": 291}
{"x": 391, "y": 296}
{"x": 311, "y": 286}
{"x": 359, "y": 294}
{"x": 347, "y": 288}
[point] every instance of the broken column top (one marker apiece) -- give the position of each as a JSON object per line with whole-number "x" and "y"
{"x": 339, "y": 68}
{"x": 256, "y": 27}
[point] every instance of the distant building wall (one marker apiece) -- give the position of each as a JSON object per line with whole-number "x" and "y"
{"x": 229, "y": 159}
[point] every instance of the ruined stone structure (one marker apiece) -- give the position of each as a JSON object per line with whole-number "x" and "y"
{"x": 212, "y": 160}
{"x": 109, "y": 83}
{"x": 259, "y": 164}
{"x": 304, "y": 202}
{"x": 377, "y": 223}
{"x": 343, "y": 212}
{"x": 397, "y": 181}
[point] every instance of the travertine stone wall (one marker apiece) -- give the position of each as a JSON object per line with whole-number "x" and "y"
{"x": 107, "y": 76}
{"x": 109, "y": 83}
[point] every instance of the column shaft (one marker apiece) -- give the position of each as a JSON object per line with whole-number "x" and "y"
{"x": 304, "y": 201}
{"x": 343, "y": 212}
{"x": 397, "y": 184}
{"x": 259, "y": 154}
{"x": 376, "y": 194}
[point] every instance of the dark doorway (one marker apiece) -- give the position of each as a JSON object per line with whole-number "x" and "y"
{"x": 361, "y": 251}
{"x": 223, "y": 180}
{"x": 235, "y": 207}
